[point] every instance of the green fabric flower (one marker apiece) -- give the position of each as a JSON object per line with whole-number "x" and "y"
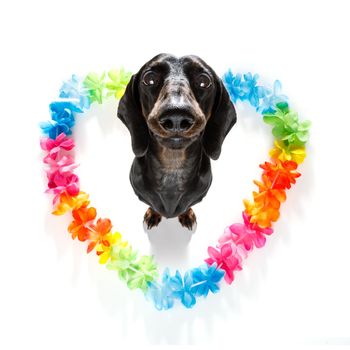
{"x": 146, "y": 271}
{"x": 121, "y": 261}
{"x": 95, "y": 86}
{"x": 119, "y": 79}
{"x": 286, "y": 125}
{"x": 136, "y": 273}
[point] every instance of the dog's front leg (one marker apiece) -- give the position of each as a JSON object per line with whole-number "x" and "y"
{"x": 188, "y": 219}
{"x": 152, "y": 218}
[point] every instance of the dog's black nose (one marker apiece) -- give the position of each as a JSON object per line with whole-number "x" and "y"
{"x": 176, "y": 123}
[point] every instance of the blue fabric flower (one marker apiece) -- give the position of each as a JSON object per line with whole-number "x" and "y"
{"x": 63, "y": 109}
{"x": 62, "y": 112}
{"x": 53, "y": 129}
{"x": 205, "y": 279}
{"x": 181, "y": 289}
{"x": 161, "y": 294}
{"x": 271, "y": 98}
{"x": 75, "y": 90}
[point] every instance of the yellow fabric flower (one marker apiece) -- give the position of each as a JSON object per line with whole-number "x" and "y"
{"x": 104, "y": 252}
{"x": 284, "y": 153}
{"x": 68, "y": 202}
{"x": 119, "y": 79}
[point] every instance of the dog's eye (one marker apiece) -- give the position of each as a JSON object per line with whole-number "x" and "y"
{"x": 151, "y": 78}
{"x": 203, "y": 81}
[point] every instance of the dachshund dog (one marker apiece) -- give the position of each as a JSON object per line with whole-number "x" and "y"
{"x": 178, "y": 113}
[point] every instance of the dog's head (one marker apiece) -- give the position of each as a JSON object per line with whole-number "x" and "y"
{"x": 176, "y": 101}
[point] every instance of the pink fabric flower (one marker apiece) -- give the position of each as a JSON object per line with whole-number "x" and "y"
{"x": 59, "y": 183}
{"x": 227, "y": 238}
{"x": 225, "y": 260}
{"x": 63, "y": 166}
{"x": 246, "y": 234}
{"x": 54, "y": 146}
{"x": 61, "y": 177}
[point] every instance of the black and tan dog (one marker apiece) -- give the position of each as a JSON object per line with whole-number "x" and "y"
{"x": 178, "y": 113}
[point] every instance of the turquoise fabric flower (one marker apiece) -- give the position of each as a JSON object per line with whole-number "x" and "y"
{"x": 75, "y": 90}
{"x": 196, "y": 282}
{"x": 161, "y": 293}
{"x": 252, "y": 92}
{"x": 244, "y": 89}
{"x": 233, "y": 85}
{"x": 271, "y": 98}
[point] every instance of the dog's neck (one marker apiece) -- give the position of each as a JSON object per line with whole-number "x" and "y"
{"x": 171, "y": 159}
{"x": 177, "y": 159}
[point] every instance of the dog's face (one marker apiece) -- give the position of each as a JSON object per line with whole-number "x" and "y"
{"x": 177, "y": 96}
{"x": 177, "y": 100}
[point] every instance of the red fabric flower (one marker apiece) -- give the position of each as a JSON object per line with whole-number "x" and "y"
{"x": 281, "y": 174}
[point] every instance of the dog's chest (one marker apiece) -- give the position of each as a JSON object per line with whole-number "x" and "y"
{"x": 170, "y": 186}
{"x": 172, "y": 180}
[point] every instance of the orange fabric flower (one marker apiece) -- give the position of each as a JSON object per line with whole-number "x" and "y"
{"x": 99, "y": 233}
{"x": 68, "y": 202}
{"x": 265, "y": 208}
{"x": 81, "y": 225}
{"x": 262, "y": 216}
{"x": 268, "y": 195}
{"x": 282, "y": 174}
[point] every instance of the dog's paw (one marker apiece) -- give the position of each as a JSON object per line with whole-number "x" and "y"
{"x": 152, "y": 218}
{"x": 188, "y": 219}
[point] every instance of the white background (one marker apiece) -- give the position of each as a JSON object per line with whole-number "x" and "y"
{"x": 293, "y": 291}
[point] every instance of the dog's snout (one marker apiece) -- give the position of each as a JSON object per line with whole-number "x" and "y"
{"x": 176, "y": 123}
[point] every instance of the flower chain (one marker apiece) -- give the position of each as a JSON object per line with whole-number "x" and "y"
{"x": 237, "y": 241}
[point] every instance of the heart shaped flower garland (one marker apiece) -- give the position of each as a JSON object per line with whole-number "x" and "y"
{"x": 238, "y": 240}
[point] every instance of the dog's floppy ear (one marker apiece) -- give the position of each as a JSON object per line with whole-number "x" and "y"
{"x": 222, "y": 119}
{"x": 130, "y": 113}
